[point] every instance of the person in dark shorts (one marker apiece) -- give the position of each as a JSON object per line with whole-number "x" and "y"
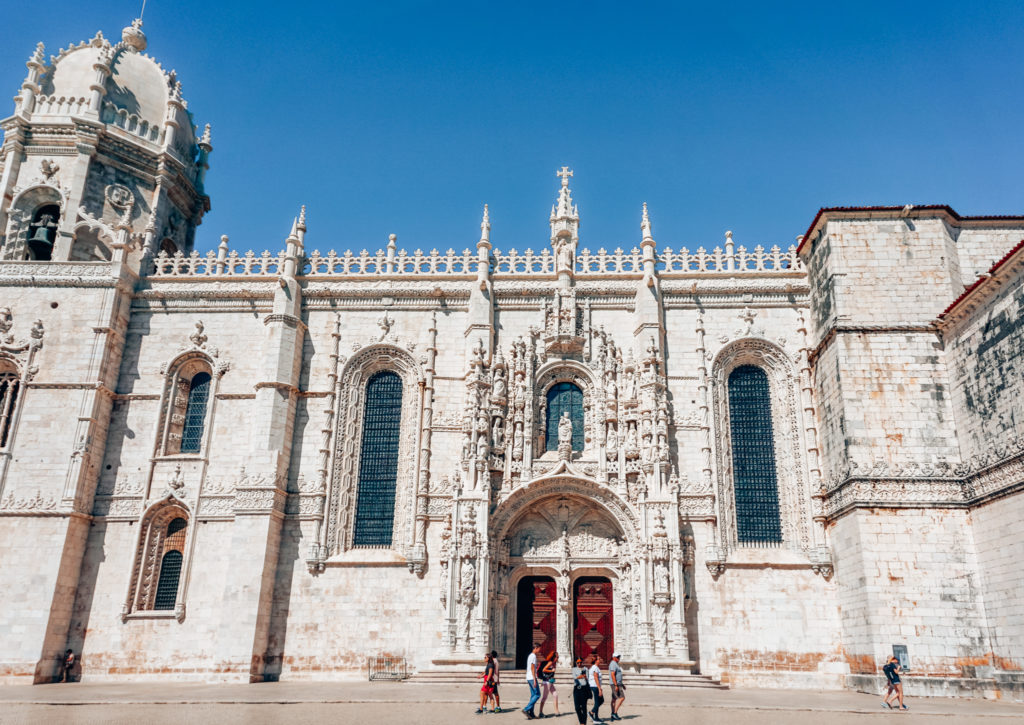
{"x": 487, "y": 689}
{"x": 892, "y": 674}
{"x": 580, "y": 691}
{"x": 617, "y": 685}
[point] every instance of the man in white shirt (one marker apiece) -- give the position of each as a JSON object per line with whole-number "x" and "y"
{"x": 531, "y": 680}
{"x": 594, "y": 680}
{"x": 618, "y": 687}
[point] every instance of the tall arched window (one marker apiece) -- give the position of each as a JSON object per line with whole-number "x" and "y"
{"x": 9, "y": 384}
{"x": 378, "y": 461}
{"x": 195, "y": 413}
{"x": 755, "y": 484}
{"x": 564, "y": 398}
{"x": 170, "y": 565}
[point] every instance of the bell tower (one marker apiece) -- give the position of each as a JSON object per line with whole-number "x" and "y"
{"x": 100, "y": 157}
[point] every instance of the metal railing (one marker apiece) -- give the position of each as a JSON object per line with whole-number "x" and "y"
{"x": 386, "y": 667}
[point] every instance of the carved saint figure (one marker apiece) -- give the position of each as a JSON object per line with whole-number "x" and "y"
{"x": 630, "y": 386}
{"x": 498, "y": 432}
{"x": 565, "y": 430}
{"x": 660, "y": 577}
{"x": 499, "y": 384}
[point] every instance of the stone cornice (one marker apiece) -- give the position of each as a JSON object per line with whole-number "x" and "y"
{"x": 930, "y": 486}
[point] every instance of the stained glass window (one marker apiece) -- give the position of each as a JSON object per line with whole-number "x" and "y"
{"x": 562, "y": 398}
{"x": 753, "y": 457}
{"x": 195, "y": 413}
{"x": 378, "y": 461}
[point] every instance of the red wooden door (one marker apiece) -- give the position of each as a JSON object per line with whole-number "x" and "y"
{"x": 545, "y": 601}
{"x": 594, "y": 628}
{"x": 536, "y": 623}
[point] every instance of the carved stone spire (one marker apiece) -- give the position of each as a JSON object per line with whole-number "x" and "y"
{"x": 565, "y": 228}
{"x": 485, "y": 231}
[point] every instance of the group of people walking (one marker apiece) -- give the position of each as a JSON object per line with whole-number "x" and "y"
{"x": 587, "y": 682}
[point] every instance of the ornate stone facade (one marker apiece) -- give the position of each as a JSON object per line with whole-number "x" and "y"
{"x": 564, "y": 455}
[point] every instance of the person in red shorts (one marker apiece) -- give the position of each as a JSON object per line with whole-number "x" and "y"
{"x": 487, "y": 689}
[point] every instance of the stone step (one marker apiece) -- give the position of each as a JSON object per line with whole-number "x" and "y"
{"x": 518, "y": 677}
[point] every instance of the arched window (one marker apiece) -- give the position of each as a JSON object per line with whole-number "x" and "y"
{"x": 9, "y": 384}
{"x": 195, "y": 413}
{"x": 564, "y": 398}
{"x": 170, "y": 565}
{"x": 755, "y": 482}
{"x": 42, "y": 232}
{"x": 378, "y": 461}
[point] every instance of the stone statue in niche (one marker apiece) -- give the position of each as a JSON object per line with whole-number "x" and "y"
{"x": 565, "y": 430}
{"x": 660, "y": 577}
{"x": 499, "y": 385}
{"x": 498, "y": 432}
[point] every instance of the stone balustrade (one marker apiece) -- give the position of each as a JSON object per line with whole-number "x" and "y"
{"x": 503, "y": 265}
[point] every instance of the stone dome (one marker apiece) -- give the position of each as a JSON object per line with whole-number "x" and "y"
{"x": 137, "y": 88}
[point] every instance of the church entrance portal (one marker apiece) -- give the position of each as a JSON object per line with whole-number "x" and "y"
{"x": 593, "y": 627}
{"x": 537, "y": 603}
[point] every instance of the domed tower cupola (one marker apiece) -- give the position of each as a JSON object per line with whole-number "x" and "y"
{"x": 101, "y": 143}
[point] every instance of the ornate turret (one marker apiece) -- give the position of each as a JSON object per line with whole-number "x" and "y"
{"x": 101, "y": 140}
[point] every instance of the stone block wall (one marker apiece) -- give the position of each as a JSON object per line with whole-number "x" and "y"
{"x": 985, "y": 355}
{"x": 910, "y": 576}
{"x": 999, "y": 541}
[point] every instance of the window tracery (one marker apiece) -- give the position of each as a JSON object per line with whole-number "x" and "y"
{"x": 187, "y": 406}
{"x": 743, "y": 482}
{"x": 378, "y": 461}
{"x": 343, "y": 490}
{"x": 753, "y": 456}
{"x": 564, "y": 398}
{"x": 161, "y": 561}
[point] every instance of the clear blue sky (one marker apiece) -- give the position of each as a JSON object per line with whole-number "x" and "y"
{"x": 406, "y": 117}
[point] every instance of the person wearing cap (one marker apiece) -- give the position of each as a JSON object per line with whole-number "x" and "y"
{"x": 618, "y": 688}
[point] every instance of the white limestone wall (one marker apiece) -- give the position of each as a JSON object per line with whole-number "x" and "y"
{"x": 985, "y": 356}
{"x": 151, "y": 648}
{"x": 327, "y": 625}
{"x": 909, "y": 576}
{"x": 980, "y": 247}
{"x": 1000, "y": 545}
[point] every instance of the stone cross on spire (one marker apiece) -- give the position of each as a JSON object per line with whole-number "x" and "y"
{"x": 565, "y": 228}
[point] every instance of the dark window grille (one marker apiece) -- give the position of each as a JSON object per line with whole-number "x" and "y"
{"x": 8, "y": 399}
{"x": 378, "y": 461}
{"x": 753, "y": 457}
{"x": 564, "y": 397}
{"x": 167, "y": 588}
{"x": 195, "y": 413}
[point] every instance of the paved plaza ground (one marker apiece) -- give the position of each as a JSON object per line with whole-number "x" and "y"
{"x": 154, "y": 703}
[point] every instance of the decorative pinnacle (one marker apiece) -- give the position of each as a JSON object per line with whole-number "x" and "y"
{"x": 37, "y": 57}
{"x": 206, "y": 136}
{"x": 392, "y": 242}
{"x": 302, "y": 218}
{"x": 223, "y": 242}
{"x": 485, "y": 228}
{"x": 645, "y": 224}
{"x": 565, "y": 208}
